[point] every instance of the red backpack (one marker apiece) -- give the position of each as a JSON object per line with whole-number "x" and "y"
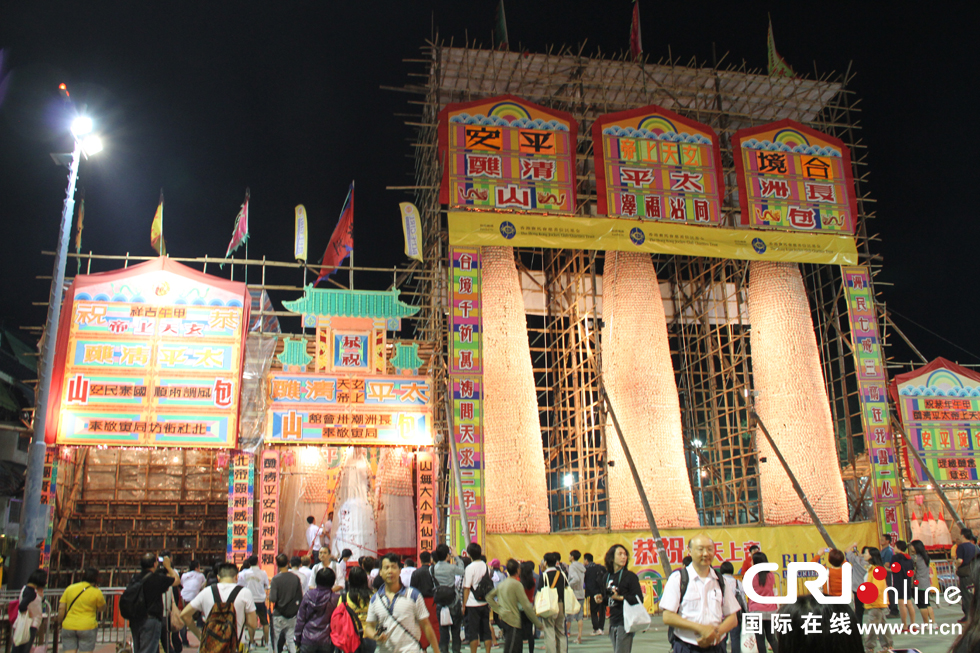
{"x": 345, "y": 627}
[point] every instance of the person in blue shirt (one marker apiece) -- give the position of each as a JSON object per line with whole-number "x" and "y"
{"x": 887, "y": 553}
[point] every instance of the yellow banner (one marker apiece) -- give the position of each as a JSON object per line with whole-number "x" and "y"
{"x": 782, "y": 544}
{"x": 413, "y": 230}
{"x": 608, "y": 234}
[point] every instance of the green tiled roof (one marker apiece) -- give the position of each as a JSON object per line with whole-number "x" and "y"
{"x": 406, "y": 357}
{"x": 294, "y": 352}
{"x": 383, "y": 304}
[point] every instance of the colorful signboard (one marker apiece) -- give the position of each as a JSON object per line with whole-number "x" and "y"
{"x": 472, "y": 229}
{"x": 268, "y": 524}
{"x": 872, "y": 380}
{"x": 654, "y": 164}
{"x": 794, "y": 178}
{"x": 795, "y": 543}
{"x": 149, "y": 356}
{"x": 466, "y": 382}
{"x": 241, "y": 499}
{"x": 341, "y": 409}
{"x": 425, "y": 500}
{"x": 49, "y": 493}
{"x": 507, "y": 153}
{"x": 940, "y": 408}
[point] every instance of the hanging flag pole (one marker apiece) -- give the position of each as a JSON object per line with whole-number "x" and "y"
{"x": 500, "y": 37}
{"x": 156, "y": 229}
{"x": 777, "y": 65}
{"x": 239, "y": 235}
{"x": 636, "y": 40}
{"x": 341, "y": 241}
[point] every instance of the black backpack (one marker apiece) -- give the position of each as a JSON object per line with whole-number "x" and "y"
{"x": 443, "y": 596}
{"x": 132, "y": 603}
{"x": 685, "y": 580}
{"x": 484, "y": 587}
{"x": 423, "y": 581}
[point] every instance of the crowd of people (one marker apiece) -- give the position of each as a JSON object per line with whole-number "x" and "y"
{"x": 394, "y": 605}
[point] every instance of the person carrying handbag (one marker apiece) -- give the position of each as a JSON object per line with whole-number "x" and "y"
{"x": 555, "y": 640}
{"x": 30, "y": 612}
{"x": 78, "y": 613}
{"x": 622, "y": 588}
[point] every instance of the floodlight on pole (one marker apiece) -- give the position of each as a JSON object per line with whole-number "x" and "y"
{"x": 81, "y": 126}
{"x": 33, "y": 517}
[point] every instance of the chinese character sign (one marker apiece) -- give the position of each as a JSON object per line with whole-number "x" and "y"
{"x": 268, "y": 524}
{"x": 467, "y": 330}
{"x": 348, "y": 410}
{"x": 241, "y": 494}
{"x": 425, "y": 500}
{"x": 466, "y": 386}
{"x": 792, "y": 177}
{"x": 940, "y": 408}
{"x": 872, "y": 381}
{"x": 654, "y": 164}
{"x": 149, "y": 357}
{"x": 505, "y": 153}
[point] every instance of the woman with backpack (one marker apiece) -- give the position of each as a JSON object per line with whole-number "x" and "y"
{"x": 31, "y": 607}
{"x": 77, "y": 613}
{"x": 358, "y": 599}
{"x": 313, "y": 619}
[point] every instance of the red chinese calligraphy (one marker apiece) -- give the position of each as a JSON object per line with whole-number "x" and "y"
{"x": 678, "y": 208}
{"x": 654, "y": 206}
{"x": 687, "y": 181}
{"x": 636, "y": 177}
{"x": 514, "y": 196}
{"x": 802, "y": 218}
{"x": 629, "y": 204}
{"x": 820, "y": 192}
{"x": 482, "y": 165}
{"x": 773, "y": 188}
{"x": 532, "y": 169}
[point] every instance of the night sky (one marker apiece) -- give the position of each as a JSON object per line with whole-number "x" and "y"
{"x": 284, "y": 97}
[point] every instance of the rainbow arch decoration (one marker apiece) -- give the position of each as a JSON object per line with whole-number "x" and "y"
{"x": 794, "y": 178}
{"x": 654, "y": 164}
{"x": 505, "y": 153}
{"x": 939, "y": 405}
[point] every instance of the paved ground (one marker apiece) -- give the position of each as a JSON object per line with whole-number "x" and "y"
{"x": 655, "y": 639}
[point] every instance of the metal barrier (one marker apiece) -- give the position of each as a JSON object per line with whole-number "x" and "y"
{"x": 945, "y": 571}
{"x": 112, "y": 630}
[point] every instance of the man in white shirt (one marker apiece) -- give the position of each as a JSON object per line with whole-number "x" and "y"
{"x": 708, "y": 609}
{"x": 204, "y": 601}
{"x": 477, "y": 612}
{"x": 256, "y": 581}
{"x": 314, "y": 535}
{"x": 191, "y": 583}
{"x": 340, "y": 570}
{"x": 408, "y": 568}
{"x": 397, "y": 616}
{"x": 297, "y": 567}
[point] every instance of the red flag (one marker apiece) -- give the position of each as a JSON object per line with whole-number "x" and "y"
{"x": 636, "y": 43}
{"x": 342, "y": 241}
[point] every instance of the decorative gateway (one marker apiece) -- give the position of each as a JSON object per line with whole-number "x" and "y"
{"x": 338, "y": 391}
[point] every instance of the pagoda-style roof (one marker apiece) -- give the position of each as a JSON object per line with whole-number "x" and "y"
{"x": 324, "y": 302}
{"x": 406, "y": 357}
{"x": 294, "y": 353}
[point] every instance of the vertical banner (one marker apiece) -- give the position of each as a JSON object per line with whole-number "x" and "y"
{"x": 269, "y": 511}
{"x": 872, "y": 382}
{"x": 425, "y": 500}
{"x": 241, "y": 498}
{"x": 49, "y": 490}
{"x": 466, "y": 385}
{"x": 412, "y": 229}
{"x": 300, "y": 240}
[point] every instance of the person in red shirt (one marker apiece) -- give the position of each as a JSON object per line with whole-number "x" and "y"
{"x": 748, "y": 560}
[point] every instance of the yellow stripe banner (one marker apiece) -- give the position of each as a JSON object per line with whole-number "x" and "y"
{"x": 469, "y": 228}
